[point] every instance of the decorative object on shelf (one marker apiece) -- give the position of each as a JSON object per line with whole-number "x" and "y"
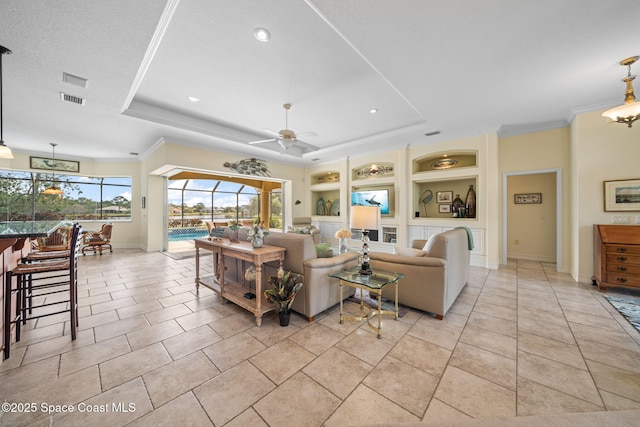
{"x": 629, "y": 112}
{"x": 470, "y": 203}
{"x": 327, "y": 207}
{"x": 342, "y": 235}
{"x": 285, "y": 288}
{"x": 365, "y": 218}
{"x": 256, "y": 235}
{"x": 527, "y": 198}
{"x": 444, "y": 163}
{"x": 621, "y": 196}
{"x": 444, "y": 208}
{"x": 426, "y": 197}
{"x": 5, "y": 152}
{"x": 456, "y": 205}
{"x": 251, "y": 166}
{"x": 321, "y": 208}
{"x": 374, "y": 170}
{"x": 335, "y": 208}
{"x": 328, "y": 177}
{"x": 250, "y": 275}
{"x": 297, "y": 202}
{"x": 444, "y": 196}
{"x": 53, "y": 189}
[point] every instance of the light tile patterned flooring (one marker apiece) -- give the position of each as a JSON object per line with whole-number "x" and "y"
{"x": 519, "y": 341}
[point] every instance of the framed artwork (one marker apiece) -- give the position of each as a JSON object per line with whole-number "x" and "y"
{"x": 527, "y": 198}
{"x": 51, "y": 164}
{"x": 622, "y": 196}
{"x": 444, "y": 208}
{"x": 444, "y": 197}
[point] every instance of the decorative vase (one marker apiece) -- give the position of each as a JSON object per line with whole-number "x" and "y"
{"x": 342, "y": 245}
{"x": 284, "y": 317}
{"x": 257, "y": 242}
{"x": 470, "y": 203}
{"x": 457, "y": 204}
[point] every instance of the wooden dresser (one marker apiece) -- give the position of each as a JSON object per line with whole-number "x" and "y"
{"x": 616, "y": 256}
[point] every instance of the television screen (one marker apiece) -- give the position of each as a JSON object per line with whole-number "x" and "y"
{"x": 372, "y": 198}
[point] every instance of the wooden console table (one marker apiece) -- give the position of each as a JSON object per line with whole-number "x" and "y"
{"x": 233, "y": 291}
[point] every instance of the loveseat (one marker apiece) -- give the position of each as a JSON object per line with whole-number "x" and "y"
{"x": 319, "y": 291}
{"x": 435, "y": 270}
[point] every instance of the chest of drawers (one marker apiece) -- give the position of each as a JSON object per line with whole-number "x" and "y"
{"x": 616, "y": 256}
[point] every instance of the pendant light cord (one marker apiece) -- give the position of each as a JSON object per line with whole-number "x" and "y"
{"x": 3, "y": 50}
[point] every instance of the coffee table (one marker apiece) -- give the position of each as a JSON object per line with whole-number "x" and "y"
{"x": 374, "y": 283}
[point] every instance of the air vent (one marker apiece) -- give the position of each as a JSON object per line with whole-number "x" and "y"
{"x": 74, "y": 80}
{"x": 71, "y": 98}
{"x": 437, "y": 132}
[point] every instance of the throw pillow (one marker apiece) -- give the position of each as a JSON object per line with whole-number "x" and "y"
{"x": 408, "y": 251}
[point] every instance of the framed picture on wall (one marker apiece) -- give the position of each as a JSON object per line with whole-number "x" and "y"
{"x": 620, "y": 196}
{"x": 444, "y": 208}
{"x": 444, "y": 196}
{"x": 527, "y": 198}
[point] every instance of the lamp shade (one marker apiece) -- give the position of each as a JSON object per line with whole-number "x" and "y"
{"x": 365, "y": 217}
{"x": 5, "y": 152}
{"x": 626, "y": 113}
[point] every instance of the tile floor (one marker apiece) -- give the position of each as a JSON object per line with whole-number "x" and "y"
{"x": 523, "y": 340}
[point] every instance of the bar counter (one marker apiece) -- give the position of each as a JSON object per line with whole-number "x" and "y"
{"x": 13, "y": 238}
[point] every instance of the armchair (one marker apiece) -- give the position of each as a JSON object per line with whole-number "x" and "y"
{"x": 95, "y": 240}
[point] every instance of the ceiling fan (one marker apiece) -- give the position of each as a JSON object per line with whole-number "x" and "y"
{"x": 287, "y": 138}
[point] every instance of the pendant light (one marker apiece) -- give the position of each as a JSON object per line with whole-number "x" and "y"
{"x": 5, "y": 152}
{"x": 54, "y": 189}
{"x": 628, "y": 112}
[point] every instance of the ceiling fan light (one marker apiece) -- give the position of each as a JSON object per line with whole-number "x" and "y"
{"x": 5, "y": 152}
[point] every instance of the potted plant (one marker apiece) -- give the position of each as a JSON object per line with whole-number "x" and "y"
{"x": 256, "y": 235}
{"x": 283, "y": 293}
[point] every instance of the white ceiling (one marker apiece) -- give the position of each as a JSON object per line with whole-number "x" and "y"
{"x": 461, "y": 67}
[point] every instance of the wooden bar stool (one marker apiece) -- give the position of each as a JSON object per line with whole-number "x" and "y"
{"x": 42, "y": 278}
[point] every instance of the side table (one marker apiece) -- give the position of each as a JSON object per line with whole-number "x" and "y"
{"x": 374, "y": 283}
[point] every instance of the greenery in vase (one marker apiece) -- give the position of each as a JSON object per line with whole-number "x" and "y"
{"x": 284, "y": 290}
{"x": 257, "y": 231}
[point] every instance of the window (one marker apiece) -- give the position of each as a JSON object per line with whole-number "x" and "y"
{"x": 84, "y": 198}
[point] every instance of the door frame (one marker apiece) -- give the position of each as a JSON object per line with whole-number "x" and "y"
{"x": 559, "y": 208}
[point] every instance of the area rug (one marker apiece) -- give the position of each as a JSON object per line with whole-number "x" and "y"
{"x": 373, "y": 303}
{"x": 629, "y": 307}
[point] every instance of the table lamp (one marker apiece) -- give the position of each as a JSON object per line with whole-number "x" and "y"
{"x": 365, "y": 218}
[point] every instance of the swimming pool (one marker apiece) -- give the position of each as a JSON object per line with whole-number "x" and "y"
{"x": 179, "y": 234}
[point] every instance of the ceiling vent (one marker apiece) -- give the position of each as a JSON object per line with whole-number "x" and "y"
{"x": 74, "y": 99}
{"x": 74, "y": 80}
{"x": 437, "y": 132}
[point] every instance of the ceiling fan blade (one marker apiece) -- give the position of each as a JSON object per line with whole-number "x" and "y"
{"x": 262, "y": 140}
{"x": 310, "y": 133}
{"x": 272, "y": 131}
{"x": 306, "y": 146}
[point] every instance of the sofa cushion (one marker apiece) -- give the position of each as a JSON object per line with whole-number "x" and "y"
{"x": 436, "y": 246}
{"x": 408, "y": 251}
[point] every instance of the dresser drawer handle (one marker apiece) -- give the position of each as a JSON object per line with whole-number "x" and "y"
{"x": 621, "y": 268}
{"x": 621, "y": 249}
{"x": 621, "y": 279}
{"x": 622, "y": 258}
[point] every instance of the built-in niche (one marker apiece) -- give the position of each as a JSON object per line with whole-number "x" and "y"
{"x": 326, "y": 177}
{"x": 379, "y": 195}
{"x": 445, "y": 161}
{"x": 436, "y": 199}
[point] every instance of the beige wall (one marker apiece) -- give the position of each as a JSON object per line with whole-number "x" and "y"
{"x": 601, "y": 152}
{"x": 531, "y": 228}
{"x": 540, "y": 152}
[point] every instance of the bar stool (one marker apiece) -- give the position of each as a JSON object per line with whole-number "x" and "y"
{"x": 42, "y": 278}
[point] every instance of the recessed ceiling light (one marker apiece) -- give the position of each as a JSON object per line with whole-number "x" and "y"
{"x": 193, "y": 98}
{"x": 373, "y": 110}
{"x": 262, "y": 34}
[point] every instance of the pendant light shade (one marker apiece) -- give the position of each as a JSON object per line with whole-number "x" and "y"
{"x": 53, "y": 189}
{"x": 629, "y": 112}
{"x": 5, "y": 152}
